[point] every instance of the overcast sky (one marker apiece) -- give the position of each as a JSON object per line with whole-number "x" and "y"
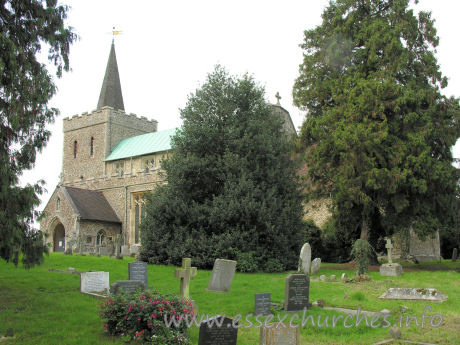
{"x": 168, "y": 47}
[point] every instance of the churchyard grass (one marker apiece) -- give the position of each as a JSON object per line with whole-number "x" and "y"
{"x": 46, "y": 307}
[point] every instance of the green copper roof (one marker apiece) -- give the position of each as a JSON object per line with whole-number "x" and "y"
{"x": 142, "y": 145}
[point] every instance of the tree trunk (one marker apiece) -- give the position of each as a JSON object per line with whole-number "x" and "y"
{"x": 364, "y": 230}
{"x": 365, "y": 236}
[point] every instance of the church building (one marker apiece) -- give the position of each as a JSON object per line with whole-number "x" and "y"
{"x": 111, "y": 160}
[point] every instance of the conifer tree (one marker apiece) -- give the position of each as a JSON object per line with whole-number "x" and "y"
{"x": 25, "y": 89}
{"x": 379, "y": 132}
{"x": 232, "y": 190}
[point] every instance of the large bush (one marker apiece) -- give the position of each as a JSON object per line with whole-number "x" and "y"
{"x": 141, "y": 317}
{"x": 232, "y": 191}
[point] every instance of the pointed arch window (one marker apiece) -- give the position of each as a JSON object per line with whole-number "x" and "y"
{"x": 58, "y": 204}
{"x": 91, "y": 147}
{"x": 138, "y": 213}
{"x": 100, "y": 237}
{"x": 75, "y": 149}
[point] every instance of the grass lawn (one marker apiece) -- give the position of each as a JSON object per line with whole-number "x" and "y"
{"x": 46, "y": 307}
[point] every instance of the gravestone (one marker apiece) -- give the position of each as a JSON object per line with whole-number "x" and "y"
{"x": 185, "y": 274}
{"x": 211, "y": 334}
{"x": 305, "y": 259}
{"x": 390, "y": 269}
{"x": 94, "y": 282}
{"x": 126, "y": 286}
{"x": 262, "y": 303}
{"x": 110, "y": 248}
{"x": 271, "y": 335}
{"x": 125, "y": 250}
{"x": 133, "y": 250}
{"x": 315, "y": 266}
{"x": 296, "y": 292}
{"x": 117, "y": 243}
{"x": 454, "y": 255}
{"x": 414, "y": 294}
{"x": 322, "y": 277}
{"x": 138, "y": 271}
{"x": 103, "y": 251}
{"x": 222, "y": 275}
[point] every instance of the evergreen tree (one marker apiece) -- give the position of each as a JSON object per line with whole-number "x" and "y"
{"x": 25, "y": 89}
{"x": 232, "y": 190}
{"x": 378, "y": 133}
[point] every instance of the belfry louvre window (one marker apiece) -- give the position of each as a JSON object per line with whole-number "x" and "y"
{"x": 91, "y": 147}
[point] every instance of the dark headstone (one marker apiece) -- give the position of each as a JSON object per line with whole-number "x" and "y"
{"x": 212, "y": 334}
{"x": 454, "y": 255}
{"x": 262, "y": 303}
{"x": 126, "y": 286}
{"x": 296, "y": 292}
{"x": 138, "y": 271}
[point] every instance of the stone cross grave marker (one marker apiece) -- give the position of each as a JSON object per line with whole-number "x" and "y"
{"x": 126, "y": 286}
{"x": 389, "y": 246}
{"x": 185, "y": 274}
{"x": 222, "y": 275}
{"x": 296, "y": 292}
{"x": 138, "y": 271}
{"x": 212, "y": 334}
{"x": 272, "y": 335}
{"x": 94, "y": 282}
{"x": 262, "y": 303}
{"x": 305, "y": 259}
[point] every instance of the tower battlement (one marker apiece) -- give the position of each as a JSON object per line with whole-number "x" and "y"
{"x": 108, "y": 114}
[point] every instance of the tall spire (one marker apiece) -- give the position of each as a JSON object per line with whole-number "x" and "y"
{"x": 111, "y": 88}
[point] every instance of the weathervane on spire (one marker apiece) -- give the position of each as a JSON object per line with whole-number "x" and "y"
{"x": 115, "y": 32}
{"x": 278, "y": 97}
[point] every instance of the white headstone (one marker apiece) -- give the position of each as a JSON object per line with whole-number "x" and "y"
{"x": 305, "y": 258}
{"x": 125, "y": 250}
{"x": 94, "y": 282}
{"x": 315, "y": 265}
{"x": 134, "y": 249}
{"x": 222, "y": 275}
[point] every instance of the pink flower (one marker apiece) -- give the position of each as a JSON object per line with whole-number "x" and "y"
{"x": 138, "y": 319}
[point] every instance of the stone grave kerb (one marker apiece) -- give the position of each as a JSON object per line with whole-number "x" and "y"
{"x": 185, "y": 273}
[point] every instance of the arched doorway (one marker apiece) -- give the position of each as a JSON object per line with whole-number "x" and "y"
{"x": 59, "y": 238}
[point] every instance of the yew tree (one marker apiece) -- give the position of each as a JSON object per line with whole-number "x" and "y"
{"x": 379, "y": 131}
{"x": 26, "y": 87}
{"x": 232, "y": 191}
